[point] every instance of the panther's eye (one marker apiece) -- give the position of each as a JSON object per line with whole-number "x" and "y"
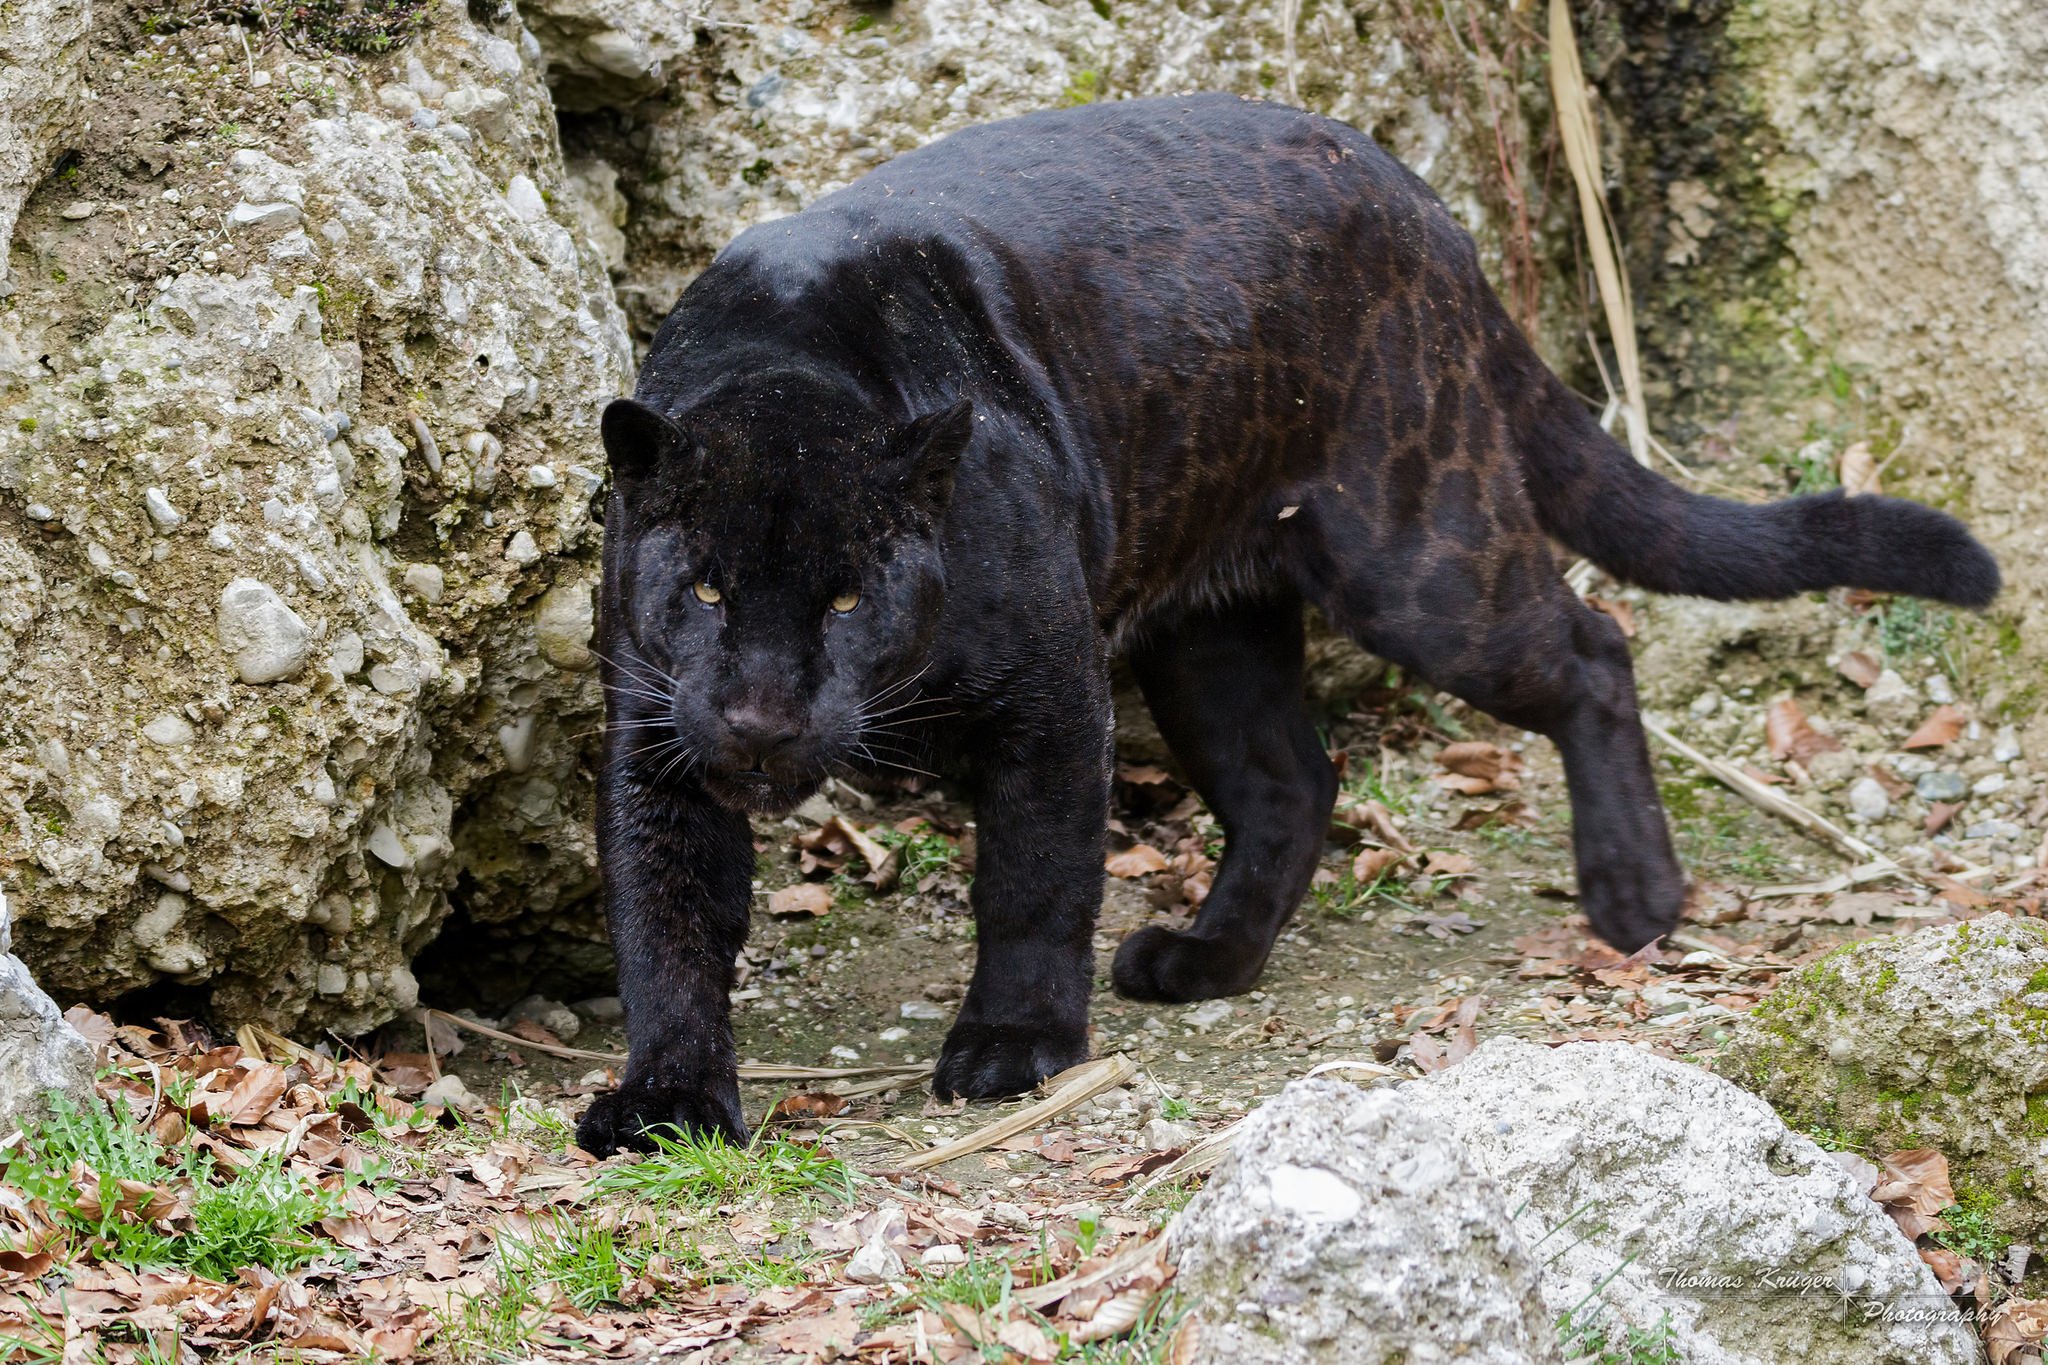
{"x": 846, "y": 601}
{"x": 707, "y": 594}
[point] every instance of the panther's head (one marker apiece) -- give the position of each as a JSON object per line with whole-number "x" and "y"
{"x": 774, "y": 581}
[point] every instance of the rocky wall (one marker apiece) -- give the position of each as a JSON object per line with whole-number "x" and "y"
{"x": 299, "y": 378}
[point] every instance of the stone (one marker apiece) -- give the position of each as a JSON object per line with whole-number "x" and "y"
{"x": 169, "y": 730}
{"x": 603, "y": 1009}
{"x": 262, "y": 219}
{"x": 278, "y": 397}
{"x": 1937, "y": 1038}
{"x": 1347, "y": 1226}
{"x": 157, "y": 504}
{"x": 1891, "y": 702}
{"x": 1207, "y": 1015}
{"x": 268, "y": 641}
{"x": 1692, "y": 1203}
{"x": 610, "y": 53}
{"x": 41, "y": 1055}
{"x": 564, "y": 625}
{"x": 2005, "y": 745}
{"x": 552, "y": 1015}
{"x": 920, "y": 1009}
{"x": 1942, "y": 785}
{"x": 451, "y": 1092}
{"x": 1867, "y": 800}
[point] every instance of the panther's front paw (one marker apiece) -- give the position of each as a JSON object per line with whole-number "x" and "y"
{"x": 619, "y": 1121}
{"x": 988, "y": 1061}
{"x": 1157, "y": 963}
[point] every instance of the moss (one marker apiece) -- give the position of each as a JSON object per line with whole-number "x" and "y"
{"x": 1085, "y": 88}
{"x": 26, "y": 424}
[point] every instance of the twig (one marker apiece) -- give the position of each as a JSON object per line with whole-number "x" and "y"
{"x": 749, "y": 1071}
{"x": 1763, "y": 798}
{"x": 1290, "y": 20}
{"x": 1072, "y": 1087}
{"x": 1582, "y": 154}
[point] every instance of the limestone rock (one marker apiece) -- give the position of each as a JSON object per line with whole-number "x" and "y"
{"x": 39, "y": 1052}
{"x": 42, "y": 98}
{"x": 1937, "y": 1038}
{"x": 757, "y": 119}
{"x": 263, "y": 431}
{"x": 266, "y": 638}
{"x": 1691, "y": 1201}
{"x": 1346, "y": 1226}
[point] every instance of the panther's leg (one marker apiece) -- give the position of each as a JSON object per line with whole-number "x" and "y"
{"x": 1225, "y": 686}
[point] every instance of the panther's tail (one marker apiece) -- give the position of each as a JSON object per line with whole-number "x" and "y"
{"x": 1644, "y": 529}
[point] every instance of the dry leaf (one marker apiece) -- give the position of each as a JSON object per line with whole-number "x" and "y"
{"x": 1372, "y": 863}
{"x": 1623, "y": 614}
{"x": 813, "y": 1104}
{"x": 1792, "y": 736}
{"x": 2015, "y": 1332}
{"x": 1947, "y": 1267}
{"x": 1861, "y": 667}
{"x": 1475, "y": 767}
{"x": 1945, "y": 726}
{"x": 1444, "y": 863}
{"x": 1375, "y": 819}
{"x": 1135, "y": 861}
{"x": 1858, "y": 470}
{"x": 804, "y": 898}
{"x": 1026, "y": 1338}
{"x": 1939, "y": 813}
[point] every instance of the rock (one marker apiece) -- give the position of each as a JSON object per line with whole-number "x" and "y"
{"x": 1867, "y": 800}
{"x": 920, "y": 1009}
{"x": 552, "y": 1015}
{"x": 2005, "y": 745}
{"x": 1890, "y": 702}
{"x": 42, "y": 100}
{"x": 1207, "y": 1015}
{"x": 450, "y": 1092}
{"x": 1345, "y": 1226}
{"x": 267, "y": 639}
{"x": 330, "y": 389}
{"x": 40, "y": 1054}
{"x": 601, "y": 1008}
{"x": 1936, "y": 1038}
{"x": 565, "y": 624}
{"x": 610, "y": 53}
{"x": 877, "y": 1261}
{"x": 169, "y": 730}
{"x": 1164, "y": 1135}
{"x": 1689, "y": 1199}
{"x": 1942, "y": 785}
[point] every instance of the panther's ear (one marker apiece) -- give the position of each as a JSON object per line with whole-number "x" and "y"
{"x": 638, "y": 440}
{"x": 929, "y": 450}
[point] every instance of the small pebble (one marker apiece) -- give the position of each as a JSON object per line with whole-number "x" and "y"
{"x": 1942, "y": 786}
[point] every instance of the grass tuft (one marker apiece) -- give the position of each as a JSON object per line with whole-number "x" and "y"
{"x": 703, "y": 1171}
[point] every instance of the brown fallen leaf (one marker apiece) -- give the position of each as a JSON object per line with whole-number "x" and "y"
{"x": 533, "y": 1032}
{"x": 1476, "y": 767}
{"x": 812, "y": 1104}
{"x": 1861, "y": 667}
{"x": 803, "y": 898}
{"x": 1939, "y": 813}
{"x": 1442, "y": 862}
{"x": 1375, "y": 819}
{"x": 2015, "y": 1331}
{"x": 1947, "y": 1267}
{"x": 1621, "y": 613}
{"x": 1858, "y": 470}
{"x": 1792, "y": 735}
{"x": 1945, "y": 726}
{"x": 1914, "y": 1187}
{"x": 1373, "y": 863}
{"x": 1135, "y": 861}
{"x": 1889, "y": 780}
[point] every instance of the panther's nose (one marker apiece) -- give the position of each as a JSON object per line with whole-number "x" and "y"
{"x": 757, "y": 733}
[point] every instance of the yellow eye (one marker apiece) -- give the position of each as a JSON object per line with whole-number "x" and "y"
{"x": 707, "y": 594}
{"x": 846, "y": 601}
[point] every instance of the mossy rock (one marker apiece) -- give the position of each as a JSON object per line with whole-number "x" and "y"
{"x": 1933, "y": 1039}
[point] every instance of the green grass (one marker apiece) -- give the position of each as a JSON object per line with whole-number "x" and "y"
{"x": 261, "y": 1215}
{"x": 1175, "y": 1108}
{"x": 1970, "y": 1231}
{"x": 1590, "y": 1339}
{"x": 705, "y": 1171}
{"x": 1910, "y": 629}
{"x": 920, "y": 853}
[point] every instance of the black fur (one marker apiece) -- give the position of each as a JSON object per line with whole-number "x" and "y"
{"x": 1146, "y": 375}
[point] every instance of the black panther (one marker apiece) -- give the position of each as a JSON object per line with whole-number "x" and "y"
{"x": 1144, "y": 377}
